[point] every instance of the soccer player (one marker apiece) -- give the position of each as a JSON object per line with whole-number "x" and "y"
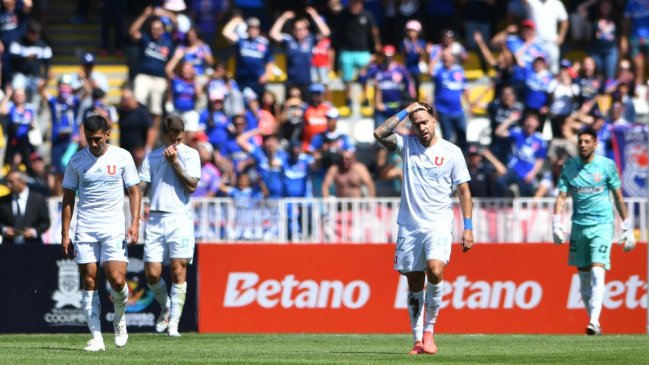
{"x": 173, "y": 170}
{"x": 431, "y": 167}
{"x": 99, "y": 173}
{"x": 590, "y": 178}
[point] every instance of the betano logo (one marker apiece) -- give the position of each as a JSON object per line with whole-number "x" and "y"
{"x": 481, "y": 294}
{"x": 245, "y": 288}
{"x": 631, "y": 294}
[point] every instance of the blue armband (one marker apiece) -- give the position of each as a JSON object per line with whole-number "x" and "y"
{"x": 402, "y": 114}
{"x": 468, "y": 223}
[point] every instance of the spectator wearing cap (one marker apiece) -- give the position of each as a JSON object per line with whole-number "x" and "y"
{"x": 39, "y": 179}
{"x": 269, "y": 160}
{"x": 547, "y": 15}
{"x": 450, "y": 88}
{"x": 447, "y": 43}
{"x": 14, "y": 16}
{"x": 604, "y": 35}
{"x": 298, "y": 46}
{"x": 504, "y": 109}
{"x": 328, "y": 146}
{"x": 254, "y": 54}
{"x": 356, "y": 37}
{"x": 292, "y": 116}
{"x": 564, "y": 93}
{"x": 183, "y": 94}
{"x": 194, "y": 51}
{"x": 30, "y": 60}
{"x": 524, "y": 47}
{"x": 112, "y": 16}
{"x": 96, "y": 80}
{"x": 136, "y": 134}
{"x": 529, "y": 152}
{"x": 221, "y": 82}
{"x": 413, "y": 49}
{"x": 635, "y": 36}
{"x": 21, "y": 118}
{"x": 394, "y": 86}
{"x": 156, "y": 50}
{"x": 213, "y": 120}
{"x": 64, "y": 110}
{"x": 315, "y": 115}
{"x": 537, "y": 88}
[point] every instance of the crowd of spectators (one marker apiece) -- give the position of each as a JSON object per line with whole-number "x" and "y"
{"x": 254, "y": 143}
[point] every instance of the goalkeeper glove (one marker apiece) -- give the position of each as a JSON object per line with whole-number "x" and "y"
{"x": 627, "y": 238}
{"x": 557, "y": 230}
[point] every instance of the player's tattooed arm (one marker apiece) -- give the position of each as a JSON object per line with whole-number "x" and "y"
{"x": 384, "y": 133}
{"x": 142, "y": 186}
{"x": 190, "y": 182}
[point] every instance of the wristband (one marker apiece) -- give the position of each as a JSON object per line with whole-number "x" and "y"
{"x": 403, "y": 113}
{"x": 468, "y": 223}
{"x": 556, "y": 219}
{"x": 627, "y": 224}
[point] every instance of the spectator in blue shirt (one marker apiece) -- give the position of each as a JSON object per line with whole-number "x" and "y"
{"x": 214, "y": 121}
{"x": 529, "y": 153}
{"x": 537, "y": 88}
{"x": 298, "y": 46}
{"x": 64, "y": 109}
{"x": 450, "y": 87}
{"x": 254, "y": 56}
{"x": 504, "y": 109}
{"x": 394, "y": 86}
{"x": 183, "y": 94}
{"x": 327, "y": 147}
{"x": 297, "y": 172}
{"x": 635, "y": 39}
{"x": 270, "y": 160}
{"x": 156, "y": 50}
{"x": 413, "y": 49}
{"x": 231, "y": 150}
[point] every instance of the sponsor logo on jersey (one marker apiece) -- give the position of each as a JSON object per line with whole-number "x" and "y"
{"x": 597, "y": 177}
{"x": 439, "y": 161}
{"x": 247, "y": 288}
{"x": 111, "y": 169}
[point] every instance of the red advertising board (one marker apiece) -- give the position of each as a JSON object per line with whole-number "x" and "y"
{"x": 495, "y": 288}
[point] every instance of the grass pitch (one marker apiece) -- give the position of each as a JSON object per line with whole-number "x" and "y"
{"x": 325, "y": 349}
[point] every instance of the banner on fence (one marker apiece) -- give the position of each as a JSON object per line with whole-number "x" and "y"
{"x": 43, "y": 293}
{"x": 630, "y": 151}
{"x": 495, "y": 288}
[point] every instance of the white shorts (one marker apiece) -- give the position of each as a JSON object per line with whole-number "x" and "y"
{"x": 169, "y": 235}
{"x": 149, "y": 91}
{"x": 99, "y": 247}
{"x": 416, "y": 245}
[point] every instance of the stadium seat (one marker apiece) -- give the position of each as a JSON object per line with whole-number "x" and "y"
{"x": 472, "y": 67}
{"x": 575, "y": 56}
{"x": 604, "y": 102}
{"x": 482, "y": 94}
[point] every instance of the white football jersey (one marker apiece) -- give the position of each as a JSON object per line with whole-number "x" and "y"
{"x": 428, "y": 178}
{"x": 100, "y": 182}
{"x": 167, "y": 191}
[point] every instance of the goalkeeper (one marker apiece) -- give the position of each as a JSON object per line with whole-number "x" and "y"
{"x": 590, "y": 178}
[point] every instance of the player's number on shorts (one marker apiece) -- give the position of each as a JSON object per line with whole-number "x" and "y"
{"x": 400, "y": 242}
{"x": 125, "y": 247}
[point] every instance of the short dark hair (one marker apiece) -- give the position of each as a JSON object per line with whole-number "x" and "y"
{"x": 270, "y": 136}
{"x": 424, "y": 106}
{"x": 589, "y": 131}
{"x": 94, "y": 123}
{"x": 173, "y": 124}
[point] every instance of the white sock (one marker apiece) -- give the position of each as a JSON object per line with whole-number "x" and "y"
{"x": 91, "y": 310}
{"x": 433, "y": 302}
{"x": 178, "y": 293}
{"x": 159, "y": 289}
{"x": 598, "y": 288}
{"x": 416, "y": 313}
{"x": 120, "y": 299}
{"x": 585, "y": 278}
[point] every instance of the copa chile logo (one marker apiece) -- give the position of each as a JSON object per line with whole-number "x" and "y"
{"x": 139, "y": 294}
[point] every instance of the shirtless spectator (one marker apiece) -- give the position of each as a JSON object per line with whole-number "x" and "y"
{"x": 348, "y": 176}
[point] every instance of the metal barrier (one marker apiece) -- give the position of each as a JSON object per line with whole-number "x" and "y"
{"x": 315, "y": 220}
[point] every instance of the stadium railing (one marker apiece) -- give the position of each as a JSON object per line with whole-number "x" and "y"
{"x": 332, "y": 220}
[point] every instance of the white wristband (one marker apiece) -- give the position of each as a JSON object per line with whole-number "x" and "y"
{"x": 556, "y": 219}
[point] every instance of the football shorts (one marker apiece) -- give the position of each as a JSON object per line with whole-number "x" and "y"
{"x": 99, "y": 247}
{"x": 169, "y": 235}
{"x": 591, "y": 244}
{"x": 416, "y": 245}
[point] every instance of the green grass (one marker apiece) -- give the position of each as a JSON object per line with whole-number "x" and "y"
{"x": 326, "y": 349}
